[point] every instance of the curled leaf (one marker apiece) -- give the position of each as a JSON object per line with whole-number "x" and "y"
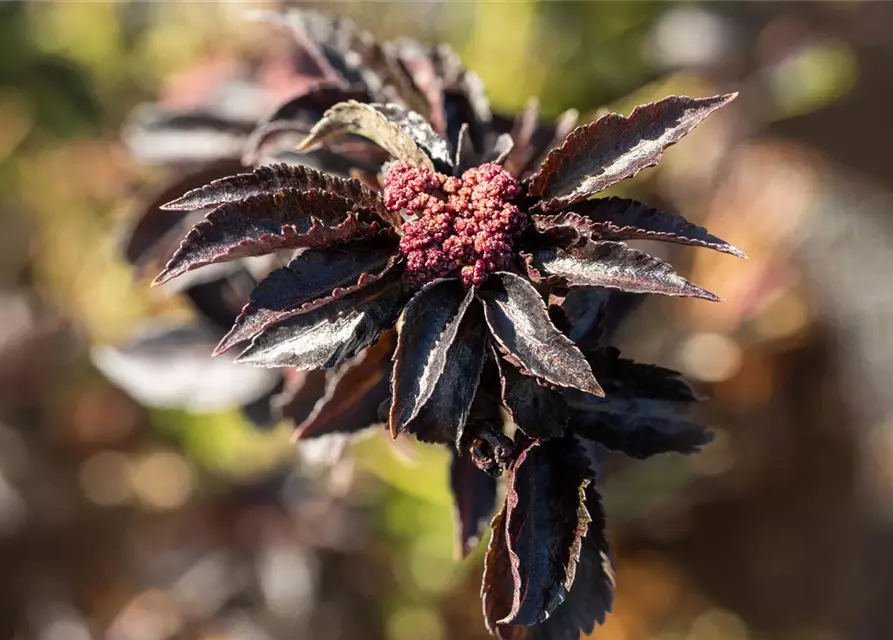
{"x": 596, "y": 155}
{"x": 427, "y": 329}
{"x": 404, "y": 134}
{"x": 614, "y": 265}
{"x": 545, "y": 522}
{"x": 520, "y": 323}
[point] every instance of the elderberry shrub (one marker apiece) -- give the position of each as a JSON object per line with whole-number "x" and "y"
{"x": 438, "y": 257}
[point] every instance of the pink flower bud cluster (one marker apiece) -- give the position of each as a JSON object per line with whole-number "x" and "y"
{"x": 455, "y": 226}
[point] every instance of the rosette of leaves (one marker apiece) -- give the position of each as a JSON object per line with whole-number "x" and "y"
{"x": 438, "y": 281}
{"x": 202, "y": 137}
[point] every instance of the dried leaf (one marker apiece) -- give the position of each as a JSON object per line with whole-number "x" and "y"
{"x": 596, "y": 155}
{"x": 614, "y": 265}
{"x": 545, "y": 522}
{"x": 474, "y": 497}
{"x": 272, "y": 179}
{"x": 404, "y": 134}
{"x": 428, "y": 327}
{"x": 622, "y": 219}
{"x": 330, "y": 335}
{"x": 353, "y": 393}
{"x": 313, "y": 278}
{"x": 259, "y": 225}
{"x": 520, "y": 323}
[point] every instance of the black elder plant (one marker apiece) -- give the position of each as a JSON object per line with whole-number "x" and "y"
{"x": 435, "y": 285}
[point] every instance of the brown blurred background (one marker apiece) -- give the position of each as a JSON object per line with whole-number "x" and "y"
{"x": 125, "y": 522}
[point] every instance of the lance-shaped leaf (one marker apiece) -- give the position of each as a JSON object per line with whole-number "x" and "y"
{"x": 353, "y": 393}
{"x": 520, "y": 323}
{"x": 427, "y": 329}
{"x": 625, "y": 377}
{"x": 474, "y": 497}
{"x": 592, "y": 594}
{"x": 637, "y": 426}
{"x": 525, "y": 126}
{"x": 622, "y": 219}
{"x": 545, "y": 522}
{"x": 596, "y": 155}
{"x": 496, "y": 585}
{"x": 273, "y": 179}
{"x": 147, "y": 240}
{"x": 614, "y": 265}
{"x": 313, "y": 278}
{"x": 259, "y": 225}
{"x": 404, "y": 134}
{"x": 540, "y": 412}
{"x": 443, "y": 416}
{"x": 331, "y": 334}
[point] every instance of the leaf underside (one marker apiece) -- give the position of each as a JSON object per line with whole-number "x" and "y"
{"x": 597, "y": 155}
{"x": 404, "y": 134}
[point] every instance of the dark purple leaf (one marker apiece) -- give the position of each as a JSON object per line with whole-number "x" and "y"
{"x": 500, "y": 150}
{"x": 592, "y": 594}
{"x": 624, "y": 377}
{"x": 621, "y": 219}
{"x": 330, "y": 335}
{"x": 614, "y": 265}
{"x": 474, "y": 496}
{"x": 313, "y": 278}
{"x": 520, "y": 323}
{"x": 545, "y": 522}
{"x": 496, "y": 585}
{"x": 171, "y": 367}
{"x": 404, "y": 134}
{"x": 263, "y": 224}
{"x": 637, "y": 426}
{"x": 272, "y": 179}
{"x": 353, "y": 393}
{"x": 443, "y": 416}
{"x": 417, "y": 62}
{"x": 426, "y": 332}
{"x": 540, "y": 412}
{"x": 147, "y": 240}
{"x": 596, "y": 155}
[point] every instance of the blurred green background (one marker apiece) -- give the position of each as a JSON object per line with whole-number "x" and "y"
{"x": 122, "y": 522}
